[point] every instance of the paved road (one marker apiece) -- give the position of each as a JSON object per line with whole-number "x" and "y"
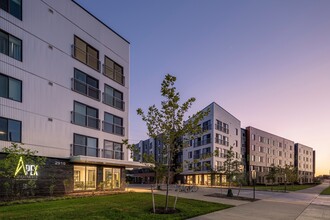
{"x": 305, "y": 204}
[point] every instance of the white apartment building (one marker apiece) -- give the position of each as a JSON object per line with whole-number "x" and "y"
{"x": 64, "y": 91}
{"x": 220, "y": 131}
{"x": 305, "y": 162}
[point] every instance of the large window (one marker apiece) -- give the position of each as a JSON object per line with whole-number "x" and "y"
{"x": 113, "y": 150}
{"x": 13, "y": 7}
{"x": 10, "y": 130}
{"x": 10, "y": 88}
{"x": 113, "y": 124}
{"x": 85, "y": 116}
{"x": 84, "y": 177}
{"x": 113, "y": 98}
{"x": 10, "y": 45}
{"x": 221, "y": 126}
{"x": 86, "y": 53}
{"x": 111, "y": 178}
{"x": 86, "y": 146}
{"x": 114, "y": 71}
{"x": 85, "y": 84}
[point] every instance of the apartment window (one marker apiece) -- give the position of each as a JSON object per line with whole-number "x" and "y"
{"x": 236, "y": 131}
{"x": 10, "y": 130}
{"x": 85, "y": 116}
{"x": 290, "y": 147}
{"x": 113, "y": 124}
{"x": 280, "y": 153}
{"x": 113, "y": 97}
{"x": 189, "y": 154}
{"x": 86, "y": 53}
{"x": 113, "y": 150}
{"x": 253, "y": 147}
{"x": 13, "y": 7}
{"x": 268, "y": 150}
{"x": 10, "y": 88}
{"x": 113, "y": 70}
{"x": 261, "y": 149}
{"x": 206, "y": 125}
{"x": 197, "y": 154}
{"x": 85, "y": 84}
{"x": 222, "y": 127}
{"x": 253, "y": 158}
{"x": 236, "y": 143}
{"x": 280, "y": 144}
{"x": 206, "y": 139}
{"x": 84, "y": 177}
{"x": 219, "y": 165}
{"x": 261, "y": 159}
{"x": 111, "y": 178}
{"x": 253, "y": 137}
{"x": 86, "y": 146}
{"x": 10, "y": 45}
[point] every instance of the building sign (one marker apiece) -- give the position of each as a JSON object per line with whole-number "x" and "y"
{"x": 26, "y": 170}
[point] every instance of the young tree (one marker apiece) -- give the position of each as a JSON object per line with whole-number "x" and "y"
{"x": 167, "y": 123}
{"x": 231, "y": 168}
{"x": 272, "y": 174}
{"x": 291, "y": 173}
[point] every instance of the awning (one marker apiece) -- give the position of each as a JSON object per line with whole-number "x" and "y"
{"x": 110, "y": 162}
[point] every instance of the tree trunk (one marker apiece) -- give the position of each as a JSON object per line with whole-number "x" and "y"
{"x": 168, "y": 179}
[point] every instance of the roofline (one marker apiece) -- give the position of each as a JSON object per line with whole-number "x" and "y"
{"x": 269, "y": 133}
{"x": 100, "y": 21}
{"x": 223, "y": 109}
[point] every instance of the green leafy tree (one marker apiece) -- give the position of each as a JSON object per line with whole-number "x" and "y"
{"x": 291, "y": 173}
{"x": 231, "y": 168}
{"x": 167, "y": 123}
{"x": 272, "y": 175}
{"x": 8, "y": 168}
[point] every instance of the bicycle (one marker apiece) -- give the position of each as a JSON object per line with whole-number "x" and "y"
{"x": 191, "y": 188}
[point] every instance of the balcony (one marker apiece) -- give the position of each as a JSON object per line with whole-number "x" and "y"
{"x": 222, "y": 142}
{"x": 111, "y": 154}
{"x": 83, "y": 150}
{"x": 113, "y": 101}
{"x": 206, "y": 141}
{"x": 221, "y": 128}
{"x": 85, "y": 120}
{"x": 113, "y": 129}
{"x": 87, "y": 58}
{"x": 114, "y": 75}
{"x": 85, "y": 89}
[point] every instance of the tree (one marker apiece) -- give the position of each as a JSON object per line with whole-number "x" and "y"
{"x": 291, "y": 173}
{"x": 231, "y": 169}
{"x": 13, "y": 164}
{"x": 167, "y": 123}
{"x": 272, "y": 174}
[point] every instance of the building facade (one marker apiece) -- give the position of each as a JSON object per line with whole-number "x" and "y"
{"x": 265, "y": 150}
{"x": 305, "y": 162}
{"x": 64, "y": 89}
{"x": 221, "y": 130}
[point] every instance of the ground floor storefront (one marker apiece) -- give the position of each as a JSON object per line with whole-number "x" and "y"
{"x": 208, "y": 179}
{"x": 62, "y": 176}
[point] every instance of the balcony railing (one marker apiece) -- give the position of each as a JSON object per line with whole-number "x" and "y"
{"x": 206, "y": 141}
{"x": 83, "y": 150}
{"x": 111, "y": 154}
{"x": 85, "y": 57}
{"x": 197, "y": 156}
{"x": 114, "y": 75}
{"x": 85, "y": 120}
{"x": 222, "y": 142}
{"x": 85, "y": 89}
{"x": 221, "y": 128}
{"x": 207, "y": 127}
{"x": 113, "y": 129}
{"x": 113, "y": 101}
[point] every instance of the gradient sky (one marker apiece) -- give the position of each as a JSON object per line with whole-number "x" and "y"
{"x": 266, "y": 62}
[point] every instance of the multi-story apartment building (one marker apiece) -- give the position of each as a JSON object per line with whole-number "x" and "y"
{"x": 64, "y": 89}
{"x": 305, "y": 163}
{"x": 201, "y": 163}
{"x": 265, "y": 150}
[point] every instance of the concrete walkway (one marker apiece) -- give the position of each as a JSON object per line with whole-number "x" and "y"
{"x": 305, "y": 204}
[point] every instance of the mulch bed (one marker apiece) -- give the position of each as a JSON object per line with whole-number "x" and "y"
{"x": 219, "y": 195}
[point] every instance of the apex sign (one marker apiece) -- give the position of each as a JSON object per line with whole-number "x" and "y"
{"x": 27, "y": 170}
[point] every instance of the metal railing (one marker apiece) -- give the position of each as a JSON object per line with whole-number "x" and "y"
{"x": 222, "y": 142}
{"x": 85, "y": 89}
{"x": 112, "y": 154}
{"x": 83, "y": 150}
{"x": 85, "y": 120}
{"x": 113, "y": 101}
{"x": 85, "y": 57}
{"x": 112, "y": 128}
{"x": 112, "y": 74}
{"x": 221, "y": 128}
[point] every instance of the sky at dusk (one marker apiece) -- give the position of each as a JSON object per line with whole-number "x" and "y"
{"x": 266, "y": 62}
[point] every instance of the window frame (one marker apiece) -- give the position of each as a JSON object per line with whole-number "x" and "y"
{"x": 114, "y": 71}
{"x": 20, "y": 130}
{"x": 87, "y": 45}
{"x": 8, "y": 9}
{"x": 73, "y": 121}
{"x": 7, "y": 54}
{"x": 86, "y": 146}
{"x": 21, "y": 93}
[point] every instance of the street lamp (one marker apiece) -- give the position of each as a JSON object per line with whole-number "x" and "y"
{"x": 254, "y": 177}
{"x": 285, "y": 182}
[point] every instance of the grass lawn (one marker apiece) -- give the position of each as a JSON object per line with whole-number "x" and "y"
{"x": 120, "y": 206}
{"x": 326, "y": 191}
{"x": 282, "y": 187}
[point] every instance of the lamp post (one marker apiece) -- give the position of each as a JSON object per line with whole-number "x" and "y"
{"x": 254, "y": 176}
{"x": 285, "y": 182}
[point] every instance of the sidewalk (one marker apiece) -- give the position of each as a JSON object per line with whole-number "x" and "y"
{"x": 303, "y": 205}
